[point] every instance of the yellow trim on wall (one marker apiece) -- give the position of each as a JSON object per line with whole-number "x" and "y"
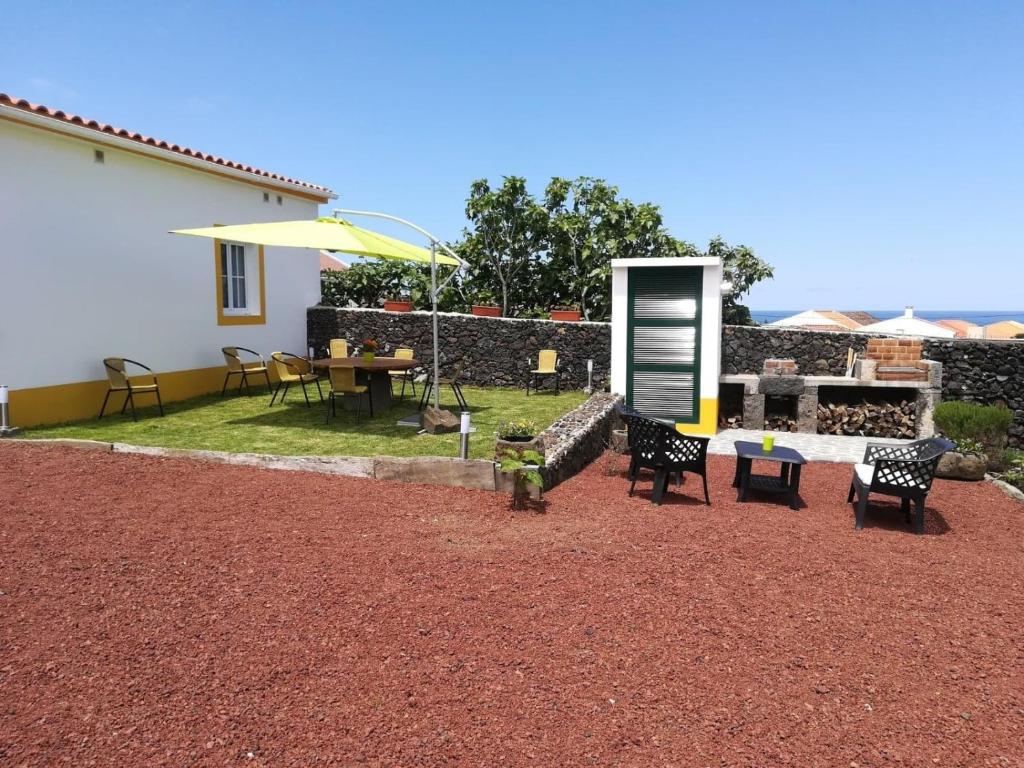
{"x": 708, "y": 423}
{"x": 225, "y": 319}
{"x": 82, "y": 400}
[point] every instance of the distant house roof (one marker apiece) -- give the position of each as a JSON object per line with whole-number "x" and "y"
{"x": 962, "y": 328}
{"x": 1004, "y": 329}
{"x": 825, "y": 319}
{"x": 909, "y": 325}
{"x": 66, "y": 118}
{"x": 331, "y": 262}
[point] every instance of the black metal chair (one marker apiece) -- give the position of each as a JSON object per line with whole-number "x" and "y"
{"x": 451, "y": 381}
{"x": 659, "y": 447}
{"x": 904, "y": 471}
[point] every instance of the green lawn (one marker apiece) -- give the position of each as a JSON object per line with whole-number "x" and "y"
{"x": 244, "y": 424}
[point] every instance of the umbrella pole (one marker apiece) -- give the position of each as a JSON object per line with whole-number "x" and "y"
{"x": 433, "y": 312}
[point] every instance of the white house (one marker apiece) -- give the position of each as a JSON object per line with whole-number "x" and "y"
{"x": 908, "y": 325}
{"x": 88, "y": 269}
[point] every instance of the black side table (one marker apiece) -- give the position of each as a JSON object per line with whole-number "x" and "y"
{"x": 788, "y": 481}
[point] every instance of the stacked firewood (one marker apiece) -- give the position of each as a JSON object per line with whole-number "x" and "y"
{"x": 730, "y": 422}
{"x": 868, "y": 419}
{"x": 779, "y": 422}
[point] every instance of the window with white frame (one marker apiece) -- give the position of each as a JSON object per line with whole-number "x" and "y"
{"x": 233, "y": 284}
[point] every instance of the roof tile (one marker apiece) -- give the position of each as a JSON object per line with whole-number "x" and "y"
{"x": 58, "y": 114}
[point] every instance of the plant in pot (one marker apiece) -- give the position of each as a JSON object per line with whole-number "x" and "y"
{"x": 523, "y": 469}
{"x": 517, "y": 435}
{"x": 402, "y": 303}
{"x": 484, "y": 306}
{"x": 369, "y": 348}
{"x": 568, "y": 313}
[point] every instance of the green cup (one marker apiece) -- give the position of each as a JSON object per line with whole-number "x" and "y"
{"x": 768, "y": 443}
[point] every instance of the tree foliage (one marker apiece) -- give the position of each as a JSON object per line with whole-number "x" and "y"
{"x": 529, "y": 256}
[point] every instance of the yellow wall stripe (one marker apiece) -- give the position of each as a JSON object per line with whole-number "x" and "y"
{"x": 70, "y": 402}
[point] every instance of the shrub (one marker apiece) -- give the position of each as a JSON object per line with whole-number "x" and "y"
{"x": 963, "y": 421}
{"x": 1014, "y": 474}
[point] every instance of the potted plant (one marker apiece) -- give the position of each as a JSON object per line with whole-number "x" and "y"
{"x": 484, "y": 305}
{"x": 568, "y": 313}
{"x": 370, "y": 348}
{"x": 522, "y": 469}
{"x": 401, "y": 304}
{"x": 517, "y": 435}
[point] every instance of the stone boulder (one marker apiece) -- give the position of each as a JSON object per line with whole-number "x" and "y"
{"x": 962, "y": 466}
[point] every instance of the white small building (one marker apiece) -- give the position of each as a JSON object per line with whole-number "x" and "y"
{"x": 667, "y": 337}
{"x": 909, "y": 325}
{"x": 88, "y": 269}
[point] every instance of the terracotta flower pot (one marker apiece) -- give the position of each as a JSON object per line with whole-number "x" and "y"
{"x": 566, "y": 315}
{"x": 486, "y": 310}
{"x": 394, "y": 305}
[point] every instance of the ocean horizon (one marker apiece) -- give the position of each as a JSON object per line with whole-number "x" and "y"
{"x": 978, "y": 317}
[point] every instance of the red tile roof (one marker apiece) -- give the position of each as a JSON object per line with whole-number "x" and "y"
{"x": 56, "y": 114}
{"x": 331, "y": 263}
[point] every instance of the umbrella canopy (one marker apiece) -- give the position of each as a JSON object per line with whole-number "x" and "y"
{"x": 322, "y": 234}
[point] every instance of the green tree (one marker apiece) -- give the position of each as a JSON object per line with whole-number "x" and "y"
{"x": 369, "y": 283}
{"x": 743, "y": 269}
{"x": 505, "y": 244}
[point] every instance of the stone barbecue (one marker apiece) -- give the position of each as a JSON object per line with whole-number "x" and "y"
{"x": 781, "y": 399}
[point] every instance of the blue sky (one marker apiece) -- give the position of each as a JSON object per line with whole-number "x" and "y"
{"x": 873, "y": 152}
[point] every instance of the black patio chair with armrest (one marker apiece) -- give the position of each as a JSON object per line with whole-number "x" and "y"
{"x": 452, "y": 381}
{"x": 905, "y": 471}
{"x": 659, "y": 447}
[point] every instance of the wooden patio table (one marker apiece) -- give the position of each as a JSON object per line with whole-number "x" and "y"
{"x": 373, "y": 373}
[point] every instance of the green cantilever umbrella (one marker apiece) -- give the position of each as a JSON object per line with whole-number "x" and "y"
{"x": 334, "y": 234}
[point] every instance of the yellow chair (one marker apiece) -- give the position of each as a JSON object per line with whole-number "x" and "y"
{"x": 121, "y": 382}
{"x": 339, "y": 348}
{"x": 343, "y": 382}
{"x": 238, "y": 367}
{"x": 292, "y": 369}
{"x": 547, "y": 365}
{"x": 403, "y": 353}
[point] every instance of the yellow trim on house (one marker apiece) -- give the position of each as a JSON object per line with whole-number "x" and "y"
{"x": 708, "y": 423}
{"x": 225, "y": 319}
{"x": 82, "y": 400}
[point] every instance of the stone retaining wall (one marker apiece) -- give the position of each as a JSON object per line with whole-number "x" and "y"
{"x": 494, "y": 350}
{"x": 577, "y": 438}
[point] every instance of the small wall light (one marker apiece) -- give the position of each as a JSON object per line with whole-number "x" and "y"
{"x": 6, "y": 430}
{"x": 465, "y": 428}
{"x": 98, "y": 156}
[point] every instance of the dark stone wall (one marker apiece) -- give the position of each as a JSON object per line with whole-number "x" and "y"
{"x": 494, "y": 350}
{"x": 745, "y": 348}
{"x": 984, "y": 372}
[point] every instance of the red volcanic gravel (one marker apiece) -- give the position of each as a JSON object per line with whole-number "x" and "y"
{"x": 179, "y": 613}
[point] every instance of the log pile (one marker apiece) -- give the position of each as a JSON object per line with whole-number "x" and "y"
{"x": 780, "y": 422}
{"x": 868, "y": 419}
{"x": 730, "y": 422}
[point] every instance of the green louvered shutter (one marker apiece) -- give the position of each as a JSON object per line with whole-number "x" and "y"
{"x": 663, "y": 342}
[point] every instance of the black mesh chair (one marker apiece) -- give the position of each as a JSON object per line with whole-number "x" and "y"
{"x": 659, "y": 447}
{"x": 904, "y": 471}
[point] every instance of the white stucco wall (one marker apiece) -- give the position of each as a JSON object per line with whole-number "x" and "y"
{"x": 87, "y": 269}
